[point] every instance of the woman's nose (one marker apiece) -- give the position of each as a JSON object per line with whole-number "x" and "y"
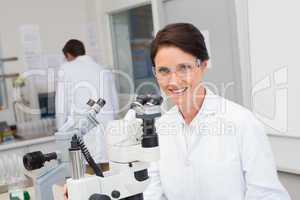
{"x": 174, "y": 79}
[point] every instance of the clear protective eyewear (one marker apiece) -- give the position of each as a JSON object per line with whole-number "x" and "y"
{"x": 182, "y": 70}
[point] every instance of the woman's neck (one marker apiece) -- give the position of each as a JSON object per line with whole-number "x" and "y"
{"x": 190, "y": 109}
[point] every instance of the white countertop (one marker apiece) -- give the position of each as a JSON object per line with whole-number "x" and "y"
{"x": 22, "y": 143}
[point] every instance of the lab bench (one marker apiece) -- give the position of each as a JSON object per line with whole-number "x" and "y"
{"x": 21, "y": 147}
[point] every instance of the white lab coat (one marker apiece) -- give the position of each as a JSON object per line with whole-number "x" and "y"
{"x": 79, "y": 81}
{"x": 224, "y": 154}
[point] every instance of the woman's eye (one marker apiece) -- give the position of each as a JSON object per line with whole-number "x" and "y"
{"x": 184, "y": 67}
{"x": 163, "y": 70}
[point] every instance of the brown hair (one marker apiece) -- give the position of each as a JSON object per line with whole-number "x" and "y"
{"x": 184, "y": 36}
{"x": 74, "y": 47}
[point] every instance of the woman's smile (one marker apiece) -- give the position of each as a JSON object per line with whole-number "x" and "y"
{"x": 177, "y": 91}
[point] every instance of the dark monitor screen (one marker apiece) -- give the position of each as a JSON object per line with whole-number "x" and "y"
{"x": 47, "y": 104}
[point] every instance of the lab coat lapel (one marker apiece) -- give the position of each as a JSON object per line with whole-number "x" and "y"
{"x": 181, "y": 141}
{"x": 178, "y": 121}
{"x": 200, "y": 124}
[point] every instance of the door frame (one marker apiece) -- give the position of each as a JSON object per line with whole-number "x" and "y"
{"x": 242, "y": 27}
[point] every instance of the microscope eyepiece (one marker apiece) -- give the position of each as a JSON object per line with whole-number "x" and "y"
{"x": 90, "y": 102}
{"x": 152, "y": 99}
{"x": 141, "y": 99}
{"x": 36, "y": 160}
{"x": 101, "y": 102}
{"x": 155, "y": 99}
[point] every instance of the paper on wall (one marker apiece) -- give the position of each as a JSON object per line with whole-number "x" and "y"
{"x": 31, "y": 44}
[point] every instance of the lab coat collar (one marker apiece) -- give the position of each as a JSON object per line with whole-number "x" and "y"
{"x": 211, "y": 105}
{"x": 84, "y": 58}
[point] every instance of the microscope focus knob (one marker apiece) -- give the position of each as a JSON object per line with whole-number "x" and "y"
{"x": 36, "y": 160}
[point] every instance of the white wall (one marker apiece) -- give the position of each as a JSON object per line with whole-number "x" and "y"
{"x": 58, "y": 21}
{"x": 274, "y": 42}
{"x": 268, "y": 39}
{"x": 274, "y": 47}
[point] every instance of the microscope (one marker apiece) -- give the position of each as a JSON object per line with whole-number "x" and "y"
{"x": 35, "y": 161}
{"x": 132, "y": 144}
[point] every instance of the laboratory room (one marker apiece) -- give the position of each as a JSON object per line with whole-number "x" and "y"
{"x": 149, "y": 100}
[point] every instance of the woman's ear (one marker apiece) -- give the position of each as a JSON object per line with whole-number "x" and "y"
{"x": 204, "y": 65}
{"x": 69, "y": 57}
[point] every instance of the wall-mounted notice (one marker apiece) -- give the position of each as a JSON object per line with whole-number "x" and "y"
{"x": 31, "y": 44}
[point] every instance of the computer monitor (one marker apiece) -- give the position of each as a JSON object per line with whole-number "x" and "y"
{"x": 47, "y": 104}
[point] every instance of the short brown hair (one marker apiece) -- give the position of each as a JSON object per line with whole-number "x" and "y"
{"x": 74, "y": 47}
{"x": 184, "y": 36}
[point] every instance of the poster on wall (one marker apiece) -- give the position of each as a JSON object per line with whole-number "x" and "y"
{"x": 31, "y": 45}
{"x": 35, "y": 61}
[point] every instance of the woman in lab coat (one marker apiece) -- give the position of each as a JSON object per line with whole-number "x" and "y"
{"x": 211, "y": 148}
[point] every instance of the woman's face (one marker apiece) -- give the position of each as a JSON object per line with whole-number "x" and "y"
{"x": 179, "y": 75}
